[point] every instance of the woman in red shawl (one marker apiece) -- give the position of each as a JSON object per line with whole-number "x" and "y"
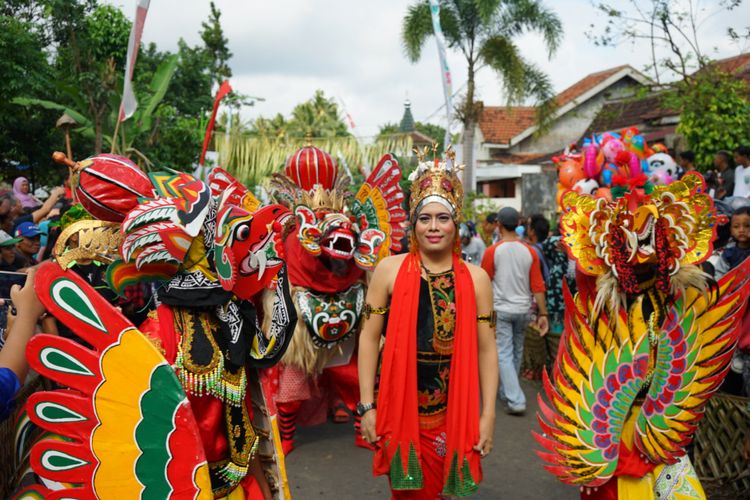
{"x": 439, "y": 353}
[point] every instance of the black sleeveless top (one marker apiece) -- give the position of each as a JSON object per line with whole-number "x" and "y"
{"x": 436, "y": 319}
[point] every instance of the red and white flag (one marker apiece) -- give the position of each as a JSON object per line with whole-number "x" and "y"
{"x": 129, "y": 103}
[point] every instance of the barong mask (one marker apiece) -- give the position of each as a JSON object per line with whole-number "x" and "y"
{"x": 333, "y": 224}
{"x": 641, "y": 239}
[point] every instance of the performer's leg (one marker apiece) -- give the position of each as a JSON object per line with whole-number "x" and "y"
{"x": 344, "y": 385}
{"x": 288, "y": 423}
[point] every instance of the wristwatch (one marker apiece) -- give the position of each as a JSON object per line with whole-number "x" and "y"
{"x": 363, "y": 408}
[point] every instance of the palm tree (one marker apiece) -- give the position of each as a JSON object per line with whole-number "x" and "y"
{"x": 317, "y": 117}
{"x": 483, "y": 30}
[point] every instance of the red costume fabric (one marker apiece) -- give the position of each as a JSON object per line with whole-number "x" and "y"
{"x": 308, "y": 271}
{"x": 432, "y": 446}
{"x": 401, "y": 454}
{"x": 208, "y": 410}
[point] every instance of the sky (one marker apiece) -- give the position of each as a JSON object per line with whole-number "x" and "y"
{"x": 351, "y": 49}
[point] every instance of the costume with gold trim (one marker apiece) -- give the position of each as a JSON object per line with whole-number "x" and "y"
{"x": 647, "y": 340}
{"x": 428, "y": 391}
{"x": 225, "y": 310}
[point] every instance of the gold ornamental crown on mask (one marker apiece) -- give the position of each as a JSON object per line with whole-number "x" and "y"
{"x": 436, "y": 181}
{"x": 320, "y": 198}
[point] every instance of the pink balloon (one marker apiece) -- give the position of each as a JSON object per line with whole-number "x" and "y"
{"x": 590, "y": 167}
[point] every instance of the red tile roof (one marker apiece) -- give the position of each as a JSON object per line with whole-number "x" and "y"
{"x": 587, "y": 83}
{"x": 499, "y": 124}
{"x": 519, "y": 159}
{"x": 734, "y": 64}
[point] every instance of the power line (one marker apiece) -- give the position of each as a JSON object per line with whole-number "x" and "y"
{"x": 443, "y": 105}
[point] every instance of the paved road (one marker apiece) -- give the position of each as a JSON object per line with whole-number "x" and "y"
{"x": 326, "y": 464}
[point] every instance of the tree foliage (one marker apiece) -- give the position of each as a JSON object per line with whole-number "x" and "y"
{"x": 24, "y": 133}
{"x": 216, "y": 47}
{"x": 318, "y": 117}
{"x": 671, "y": 29}
{"x": 715, "y": 113}
{"x": 69, "y": 55}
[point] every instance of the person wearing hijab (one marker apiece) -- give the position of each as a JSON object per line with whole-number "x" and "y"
{"x": 21, "y": 192}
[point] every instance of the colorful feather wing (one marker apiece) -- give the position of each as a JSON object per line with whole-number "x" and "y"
{"x": 130, "y": 429}
{"x": 695, "y": 347}
{"x": 595, "y": 380}
{"x": 378, "y": 210}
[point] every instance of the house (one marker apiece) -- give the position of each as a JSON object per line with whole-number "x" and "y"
{"x": 509, "y": 156}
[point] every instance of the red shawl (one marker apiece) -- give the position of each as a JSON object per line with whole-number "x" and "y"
{"x": 398, "y": 418}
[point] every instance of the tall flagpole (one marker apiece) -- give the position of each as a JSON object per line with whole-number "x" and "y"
{"x": 445, "y": 71}
{"x": 129, "y": 103}
{"x": 364, "y": 168}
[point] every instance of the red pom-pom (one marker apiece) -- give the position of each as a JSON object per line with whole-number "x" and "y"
{"x": 622, "y": 158}
{"x": 619, "y": 180}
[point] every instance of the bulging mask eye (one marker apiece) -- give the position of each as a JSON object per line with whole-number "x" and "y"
{"x": 242, "y": 232}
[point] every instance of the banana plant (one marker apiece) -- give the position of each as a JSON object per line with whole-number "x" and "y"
{"x": 135, "y": 129}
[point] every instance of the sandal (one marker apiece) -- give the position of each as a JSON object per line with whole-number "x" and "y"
{"x": 340, "y": 414}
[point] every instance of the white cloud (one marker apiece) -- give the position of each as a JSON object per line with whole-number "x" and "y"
{"x": 286, "y": 49}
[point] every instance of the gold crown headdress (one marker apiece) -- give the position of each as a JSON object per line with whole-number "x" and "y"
{"x": 97, "y": 240}
{"x": 436, "y": 181}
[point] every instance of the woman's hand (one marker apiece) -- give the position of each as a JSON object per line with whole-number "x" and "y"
{"x": 486, "y": 432}
{"x": 368, "y": 427}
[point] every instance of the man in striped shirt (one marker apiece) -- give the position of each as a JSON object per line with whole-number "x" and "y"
{"x": 516, "y": 275}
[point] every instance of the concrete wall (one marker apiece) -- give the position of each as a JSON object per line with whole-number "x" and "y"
{"x": 538, "y": 192}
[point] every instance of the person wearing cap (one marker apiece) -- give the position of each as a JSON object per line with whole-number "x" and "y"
{"x": 28, "y": 247}
{"x": 9, "y": 258}
{"x": 516, "y": 277}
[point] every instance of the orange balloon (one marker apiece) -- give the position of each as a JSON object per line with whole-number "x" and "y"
{"x": 604, "y": 192}
{"x": 570, "y": 172}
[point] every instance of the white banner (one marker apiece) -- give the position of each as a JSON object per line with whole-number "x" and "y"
{"x": 129, "y": 102}
{"x": 445, "y": 71}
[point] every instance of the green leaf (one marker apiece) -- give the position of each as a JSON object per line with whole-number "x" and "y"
{"x": 31, "y": 101}
{"x": 159, "y": 85}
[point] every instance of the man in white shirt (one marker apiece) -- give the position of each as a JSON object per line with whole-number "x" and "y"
{"x": 742, "y": 172}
